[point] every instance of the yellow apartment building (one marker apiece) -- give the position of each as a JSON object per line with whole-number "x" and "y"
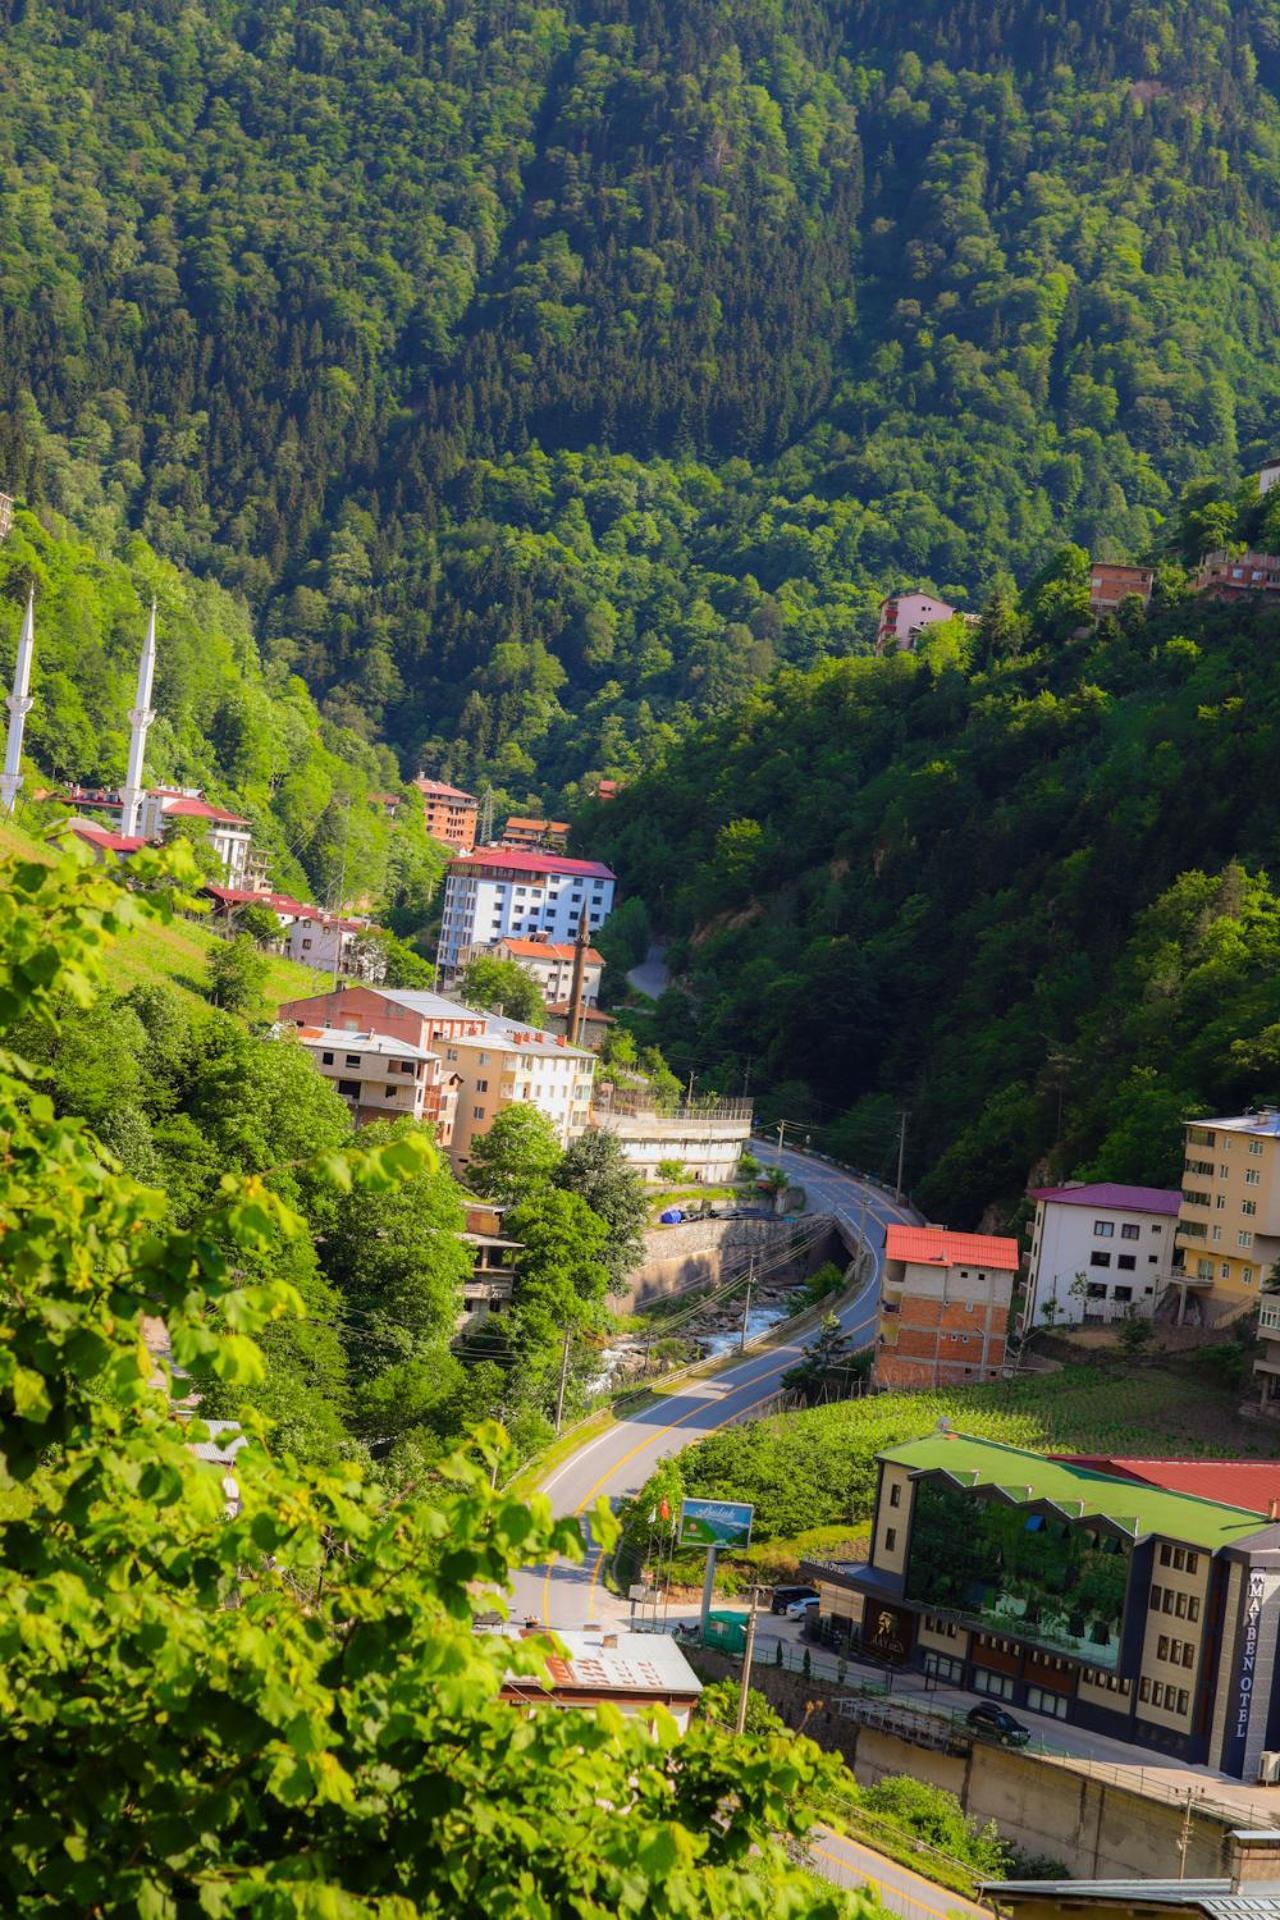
{"x": 1228, "y": 1233}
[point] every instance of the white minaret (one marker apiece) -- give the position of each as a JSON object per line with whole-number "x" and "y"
{"x": 140, "y": 718}
{"x": 19, "y": 704}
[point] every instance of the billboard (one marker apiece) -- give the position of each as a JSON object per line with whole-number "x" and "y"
{"x": 715, "y": 1523}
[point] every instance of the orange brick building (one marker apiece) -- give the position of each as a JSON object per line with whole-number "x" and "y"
{"x": 944, "y": 1307}
{"x": 1109, "y": 585}
{"x": 450, "y": 814}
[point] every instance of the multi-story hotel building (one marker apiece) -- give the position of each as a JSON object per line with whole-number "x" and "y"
{"x": 1138, "y": 1598}
{"x": 449, "y": 814}
{"x": 498, "y": 891}
{"x": 381, "y": 1078}
{"x": 1228, "y": 1234}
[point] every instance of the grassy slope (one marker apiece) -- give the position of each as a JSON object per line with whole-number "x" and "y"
{"x": 175, "y": 953}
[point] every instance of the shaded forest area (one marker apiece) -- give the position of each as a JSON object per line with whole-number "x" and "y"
{"x": 545, "y": 376}
{"x": 1022, "y": 884}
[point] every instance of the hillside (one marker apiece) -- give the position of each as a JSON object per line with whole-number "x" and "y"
{"x": 1027, "y": 895}
{"x": 243, "y": 729}
{"x": 545, "y": 375}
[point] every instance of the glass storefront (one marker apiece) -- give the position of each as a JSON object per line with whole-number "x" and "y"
{"x": 1039, "y": 1579}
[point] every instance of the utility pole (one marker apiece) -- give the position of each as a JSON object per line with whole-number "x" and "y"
{"x": 1184, "y": 1836}
{"x": 747, "y": 1656}
{"x": 903, "y": 1117}
{"x": 564, "y": 1381}
{"x": 782, "y": 1127}
{"x": 746, "y": 1305}
{"x": 342, "y": 895}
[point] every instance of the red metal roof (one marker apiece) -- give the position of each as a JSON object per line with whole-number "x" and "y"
{"x": 545, "y": 950}
{"x": 103, "y": 837}
{"x": 939, "y": 1247}
{"x": 246, "y": 897}
{"x": 517, "y": 860}
{"x": 1107, "y": 1193}
{"x": 441, "y": 790}
{"x": 189, "y": 809}
{"x": 1252, "y": 1484}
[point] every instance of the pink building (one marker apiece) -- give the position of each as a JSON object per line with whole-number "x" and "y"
{"x": 903, "y": 618}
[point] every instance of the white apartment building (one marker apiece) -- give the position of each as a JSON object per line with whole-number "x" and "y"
{"x": 512, "y": 1065}
{"x": 331, "y": 944}
{"x": 500, "y": 891}
{"x": 549, "y": 962}
{"x": 381, "y": 1077}
{"x": 230, "y": 836}
{"x": 1100, "y": 1251}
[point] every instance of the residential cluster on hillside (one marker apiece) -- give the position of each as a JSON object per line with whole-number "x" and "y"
{"x": 1100, "y": 1252}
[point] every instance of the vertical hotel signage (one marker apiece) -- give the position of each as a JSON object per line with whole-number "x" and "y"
{"x": 1240, "y": 1708}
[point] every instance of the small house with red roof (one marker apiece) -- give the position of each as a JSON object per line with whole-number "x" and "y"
{"x": 1100, "y": 1251}
{"x": 944, "y": 1307}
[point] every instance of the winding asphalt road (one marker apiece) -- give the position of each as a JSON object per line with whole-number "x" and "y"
{"x": 618, "y": 1462}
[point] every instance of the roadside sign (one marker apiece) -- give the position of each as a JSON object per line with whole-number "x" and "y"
{"x": 638, "y": 1591}
{"x": 715, "y": 1523}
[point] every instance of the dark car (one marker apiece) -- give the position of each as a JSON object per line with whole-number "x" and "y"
{"x": 995, "y": 1723}
{"x": 784, "y": 1597}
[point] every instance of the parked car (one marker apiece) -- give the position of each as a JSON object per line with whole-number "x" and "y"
{"x": 802, "y": 1609}
{"x": 996, "y": 1723}
{"x": 783, "y": 1597}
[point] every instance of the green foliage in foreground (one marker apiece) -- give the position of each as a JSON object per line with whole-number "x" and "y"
{"x": 818, "y": 1468}
{"x": 279, "y": 1706}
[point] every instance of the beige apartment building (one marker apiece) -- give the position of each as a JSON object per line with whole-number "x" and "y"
{"x": 1228, "y": 1233}
{"x": 508, "y": 1065}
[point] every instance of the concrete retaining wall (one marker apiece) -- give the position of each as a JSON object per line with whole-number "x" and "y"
{"x": 700, "y": 1250}
{"x": 1098, "y": 1830}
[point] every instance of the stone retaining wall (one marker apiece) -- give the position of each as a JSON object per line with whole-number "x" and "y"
{"x": 700, "y": 1250}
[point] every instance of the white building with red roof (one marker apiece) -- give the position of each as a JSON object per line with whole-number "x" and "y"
{"x": 497, "y": 892}
{"x": 157, "y": 809}
{"x": 549, "y": 962}
{"x": 1100, "y": 1251}
{"x": 944, "y": 1307}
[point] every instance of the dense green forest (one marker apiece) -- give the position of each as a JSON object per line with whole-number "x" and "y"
{"x": 545, "y": 375}
{"x": 1022, "y": 884}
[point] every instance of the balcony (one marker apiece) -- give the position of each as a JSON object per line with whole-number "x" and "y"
{"x": 1269, "y": 1315}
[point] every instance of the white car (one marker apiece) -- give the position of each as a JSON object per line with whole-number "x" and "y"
{"x": 801, "y": 1609}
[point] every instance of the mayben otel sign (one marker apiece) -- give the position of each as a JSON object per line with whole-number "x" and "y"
{"x": 1246, "y": 1669}
{"x": 715, "y": 1523}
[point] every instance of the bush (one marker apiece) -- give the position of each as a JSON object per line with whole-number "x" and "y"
{"x": 720, "y": 1704}
{"x": 936, "y": 1817}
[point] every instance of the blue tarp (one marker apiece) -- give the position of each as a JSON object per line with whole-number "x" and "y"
{"x": 671, "y": 1218}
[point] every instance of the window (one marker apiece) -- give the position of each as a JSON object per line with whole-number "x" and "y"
{"x": 1255, "y": 1146}
{"x": 1103, "y": 1229}
{"x": 1194, "y": 1198}
{"x": 1248, "y": 1208}
{"x": 1041, "y": 1700}
{"x": 1127, "y": 1261}
{"x": 477, "y": 1113}
{"x": 1181, "y": 1607}
{"x": 1193, "y": 1607}
{"x": 1244, "y": 1239}
{"x": 1144, "y": 1688}
{"x": 895, "y": 1495}
{"x": 1162, "y": 1647}
{"x": 1220, "y": 1203}
{"x": 1166, "y": 1556}
{"x": 1182, "y": 1700}
{"x": 1252, "y": 1178}
{"x": 890, "y": 1539}
{"x": 1099, "y": 1259}
{"x": 1153, "y": 1601}
{"x": 482, "y": 1086}
{"x": 352, "y": 1060}
{"x": 1200, "y": 1136}
{"x": 349, "y": 1089}
{"x": 390, "y": 1093}
{"x": 1246, "y": 1274}
{"x": 941, "y": 1666}
{"x": 1188, "y": 1653}
{"x": 1180, "y": 1559}
{"x": 1216, "y": 1236}
{"x": 1226, "y": 1270}
{"x": 998, "y": 1684}
{"x": 1157, "y": 1229}
{"x": 306, "y": 946}
{"x": 1128, "y": 1232}
{"x": 1123, "y": 1294}
{"x": 327, "y": 1058}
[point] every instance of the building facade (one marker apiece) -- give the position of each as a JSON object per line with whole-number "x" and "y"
{"x": 449, "y": 814}
{"x": 497, "y": 891}
{"x": 522, "y": 832}
{"x": 509, "y": 1065}
{"x": 1230, "y": 576}
{"x": 332, "y": 944}
{"x": 904, "y": 617}
{"x": 383, "y": 1078}
{"x": 1099, "y": 1252}
{"x": 1228, "y": 1232}
{"x": 708, "y": 1138}
{"x": 1109, "y": 585}
{"x": 944, "y": 1307}
{"x": 159, "y": 808}
{"x": 548, "y": 961}
{"x": 493, "y": 1275}
{"x": 1113, "y": 1600}
{"x": 426, "y": 1021}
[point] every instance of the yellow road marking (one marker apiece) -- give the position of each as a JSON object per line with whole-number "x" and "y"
{"x": 887, "y": 1886}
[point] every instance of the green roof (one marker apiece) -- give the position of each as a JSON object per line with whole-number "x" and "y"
{"x": 1079, "y": 1492}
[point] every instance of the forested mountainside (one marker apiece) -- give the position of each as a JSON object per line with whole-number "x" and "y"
{"x": 1022, "y": 885}
{"x": 544, "y": 375}
{"x": 250, "y": 736}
